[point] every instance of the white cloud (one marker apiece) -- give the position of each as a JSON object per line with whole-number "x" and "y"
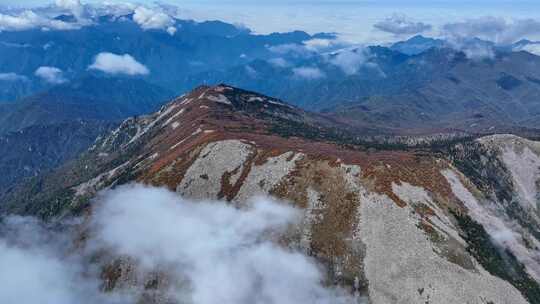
{"x": 118, "y": 64}
{"x": 307, "y": 48}
{"x": 51, "y": 75}
{"x": 531, "y": 48}
{"x": 68, "y": 4}
{"x": 324, "y": 45}
{"x": 219, "y": 253}
{"x": 208, "y": 252}
{"x": 279, "y": 62}
{"x": 113, "y": 9}
{"x": 73, "y": 6}
{"x": 29, "y": 20}
{"x": 474, "y": 49}
{"x": 251, "y": 71}
{"x": 154, "y": 19}
{"x": 171, "y": 30}
{"x": 350, "y": 61}
{"x": 495, "y": 29}
{"x": 294, "y": 49}
{"x": 399, "y": 24}
{"x": 12, "y": 77}
{"x": 310, "y": 73}
{"x": 36, "y": 267}
{"x": 478, "y": 51}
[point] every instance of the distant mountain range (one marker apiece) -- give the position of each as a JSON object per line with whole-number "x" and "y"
{"x": 194, "y": 47}
{"x": 421, "y": 84}
{"x": 438, "y": 88}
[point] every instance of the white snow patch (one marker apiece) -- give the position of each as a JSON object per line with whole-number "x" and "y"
{"x": 96, "y": 183}
{"x": 255, "y": 98}
{"x": 173, "y": 117}
{"x": 179, "y": 143}
{"x": 267, "y": 100}
{"x": 162, "y": 114}
{"x": 219, "y": 99}
{"x": 222, "y": 89}
{"x": 186, "y": 101}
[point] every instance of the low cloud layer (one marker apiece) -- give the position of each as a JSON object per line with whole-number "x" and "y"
{"x": 118, "y": 64}
{"x": 399, "y": 24}
{"x": 210, "y": 253}
{"x": 308, "y": 73}
{"x": 51, "y": 75}
{"x": 474, "y": 49}
{"x": 530, "y": 48}
{"x": 279, "y": 62}
{"x": 12, "y": 77}
{"x": 37, "y": 269}
{"x": 350, "y": 61}
{"x": 292, "y": 49}
{"x": 147, "y": 17}
{"x": 75, "y": 7}
{"x": 28, "y": 19}
{"x": 495, "y": 29}
{"x": 150, "y": 19}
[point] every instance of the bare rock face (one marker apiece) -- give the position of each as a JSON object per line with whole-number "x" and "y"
{"x": 395, "y": 226}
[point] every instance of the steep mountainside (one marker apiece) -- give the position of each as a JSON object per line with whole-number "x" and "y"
{"x": 35, "y": 150}
{"x": 451, "y": 223}
{"x": 89, "y": 98}
{"x": 43, "y": 131}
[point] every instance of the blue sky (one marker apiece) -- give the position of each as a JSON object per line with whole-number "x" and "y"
{"x": 354, "y": 20}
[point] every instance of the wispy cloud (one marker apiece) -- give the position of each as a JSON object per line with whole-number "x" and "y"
{"x": 279, "y": 62}
{"x": 207, "y": 252}
{"x": 51, "y": 75}
{"x": 399, "y": 24}
{"x": 350, "y": 61}
{"x": 309, "y": 73}
{"x": 292, "y": 49}
{"x": 530, "y": 48}
{"x": 12, "y": 77}
{"x": 496, "y": 29}
{"x": 29, "y": 20}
